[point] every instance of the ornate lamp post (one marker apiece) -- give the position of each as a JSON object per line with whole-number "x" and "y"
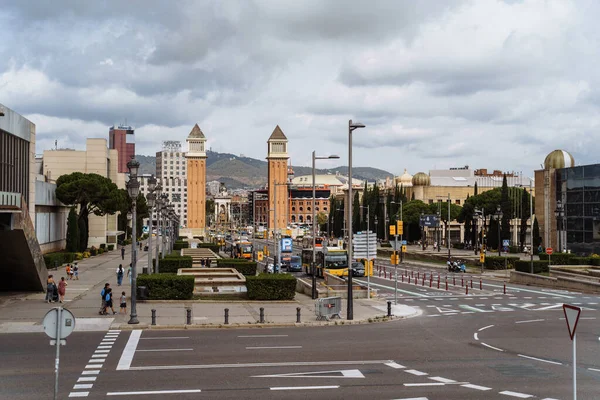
{"x": 133, "y": 188}
{"x": 150, "y": 199}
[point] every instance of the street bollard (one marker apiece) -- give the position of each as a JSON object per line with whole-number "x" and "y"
{"x": 153, "y": 316}
{"x": 188, "y": 312}
{"x": 412, "y": 273}
{"x": 462, "y": 281}
{"x": 471, "y": 283}
{"x": 262, "y": 315}
{"x": 453, "y": 281}
{"x": 409, "y": 279}
{"x": 438, "y": 282}
{"x": 431, "y": 282}
{"x": 402, "y": 277}
{"x": 466, "y": 289}
{"x": 418, "y": 274}
{"x": 446, "y": 283}
{"x": 389, "y": 309}
{"x": 227, "y": 316}
{"x": 480, "y": 285}
{"x": 505, "y": 288}
{"x": 297, "y": 315}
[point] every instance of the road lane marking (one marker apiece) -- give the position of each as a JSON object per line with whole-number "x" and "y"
{"x": 79, "y": 394}
{"x": 105, "y": 347}
{"x": 272, "y": 347}
{"x": 415, "y": 372}
{"x": 539, "y": 359}
{"x": 93, "y": 366}
{"x": 93, "y": 372}
{"x": 476, "y": 387}
{"x": 261, "y": 336}
{"x": 129, "y": 350}
{"x": 87, "y": 379}
{"x": 470, "y": 308}
{"x": 516, "y": 394}
{"x": 166, "y": 350}
{"x": 392, "y": 288}
{"x": 165, "y": 337}
{"x": 179, "y": 391}
{"x": 484, "y": 328}
{"x": 475, "y": 336}
{"x": 443, "y": 380}
{"x": 257, "y": 365}
{"x": 414, "y": 398}
{"x": 491, "y": 347}
{"x": 99, "y": 355}
{"x": 395, "y": 365}
{"x": 594, "y": 369}
{"x": 83, "y": 386}
{"x": 529, "y": 320}
{"x": 550, "y": 307}
{"x": 424, "y": 384}
{"x": 96, "y": 360}
{"x": 304, "y": 387}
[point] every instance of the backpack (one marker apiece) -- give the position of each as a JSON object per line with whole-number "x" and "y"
{"x": 102, "y": 293}
{"x": 108, "y": 297}
{"x": 120, "y": 273}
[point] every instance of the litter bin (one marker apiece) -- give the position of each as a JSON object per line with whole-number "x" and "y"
{"x": 142, "y": 293}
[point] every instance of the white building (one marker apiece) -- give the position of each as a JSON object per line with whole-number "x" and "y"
{"x": 172, "y": 175}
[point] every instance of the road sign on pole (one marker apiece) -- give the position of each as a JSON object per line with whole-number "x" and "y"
{"x": 572, "y": 316}
{"x": 58, "y": 324}
{"x": 548, "y": 250}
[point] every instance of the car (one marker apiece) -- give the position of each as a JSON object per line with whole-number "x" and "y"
{"x": 295, "y": 264}
{"x": 358, "y": 269}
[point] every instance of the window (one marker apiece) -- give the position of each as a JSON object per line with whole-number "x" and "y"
{"x": 457, "y": 201}
{"x": 301, "y": 208}
{"x": 307, "y": 208}
{"x": 430, "y": 201}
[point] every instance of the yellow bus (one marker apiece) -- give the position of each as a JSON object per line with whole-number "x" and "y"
{"x": 331, "y": 260}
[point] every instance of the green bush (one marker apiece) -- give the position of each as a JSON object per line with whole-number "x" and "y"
{"x": 214, "y": 247}
{"x": 167, "y": 286}
{"x": 111, "y": 247}
{"x": 271, "y": 287}
{"x": 93, "y": 251}
{"x": 244, "y": 267}
{"x": 513, "y": 249}
{"x": 103, "y": 246}
{"x": 525, "y": 266}
{"x": 579, "y": 261}
{"x": 495, "y": 262}
{"x": 100, "y": 250}
{"x": 180, "y": 244}
{"x": 59, "y": 258}
{"x": 170, "y": 264}
{"x": 557, "y": 258}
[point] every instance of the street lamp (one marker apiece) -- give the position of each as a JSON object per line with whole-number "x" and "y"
{"x": 150, "y": 199}
{"x": 498, "y": 217}
{"x": 314, "y": 252}
{"x": 133, "y": 188}
{"x": 351, "y": 127}
{"x": 559, "y": 213}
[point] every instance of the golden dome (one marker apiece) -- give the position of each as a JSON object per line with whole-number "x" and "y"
{"x": 421, "y": 179}
{"x": 405, "y": 179}
{"x": 559, "y": 159}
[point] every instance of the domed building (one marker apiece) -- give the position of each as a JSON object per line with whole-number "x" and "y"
{"x": 559, "y": 159}
{"x": 421, "y": 179}
{"x": 404, "y": 180}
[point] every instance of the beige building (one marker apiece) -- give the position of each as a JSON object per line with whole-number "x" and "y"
{"x": 97, "y": 158}
{"x": 196, "y": 181}
{"x": 277, "y": 158}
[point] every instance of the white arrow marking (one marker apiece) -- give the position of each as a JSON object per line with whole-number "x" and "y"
{"x": 348, "y": 373}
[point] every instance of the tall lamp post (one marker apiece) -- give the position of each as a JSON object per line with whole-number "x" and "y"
{"x": 158, "y": 205}
{"x": 133, "y": 188}
{"x": 559, "y": 213}
{"x": 150, "y": 198}
{"x": 498, "y": 217}
{"x": 352, "y": 126}
{"x": 314, "y": 223}
{"x": 448, "y": 228}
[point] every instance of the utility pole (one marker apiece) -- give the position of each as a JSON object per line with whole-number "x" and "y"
{"x": 448, "y": 228}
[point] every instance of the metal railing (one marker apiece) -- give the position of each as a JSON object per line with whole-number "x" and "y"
{"x": 328, "y": 307}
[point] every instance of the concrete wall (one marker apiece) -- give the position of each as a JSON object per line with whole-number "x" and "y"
{"x": 50, "y": 217}
{"x": 563, "y": 283}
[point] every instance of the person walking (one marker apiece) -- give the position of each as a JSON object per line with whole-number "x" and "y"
{"x": 109, "y": 302}
{"x": 68, "y": 271}
{"x": 62, "y": 289}
{"x": 129, "y": 273}
{"x": 102, "y": 296}
{"x": 50, "y": 288}
{"x": 123, "y": 305}
{"x": 202, "y": 262}
{"x": 122, "y": 252}
{"x": 208, "y": 262}
{"x": 76, "y": 271}
{"x": 120, "y": 273}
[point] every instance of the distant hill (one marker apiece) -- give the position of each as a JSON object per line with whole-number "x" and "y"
{"x": 245, "y": 172}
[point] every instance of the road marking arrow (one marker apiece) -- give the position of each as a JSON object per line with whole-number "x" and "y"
{"x": 348, "y": 373}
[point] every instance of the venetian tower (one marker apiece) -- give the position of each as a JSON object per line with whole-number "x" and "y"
{"x": 277, "y": 159}
{"x": 196, "y": 181}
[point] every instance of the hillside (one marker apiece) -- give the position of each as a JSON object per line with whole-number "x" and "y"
{"x": 240, "y": 172}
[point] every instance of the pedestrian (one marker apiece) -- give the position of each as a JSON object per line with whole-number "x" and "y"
{"x": 202, "y": 262}
{"x": 123, "y": 252}
{"x": 62, "y": 289}
{"x": 71, "y": 273}
{"x": 129, "y": 274}
{"x": 50, "y": 286}
{"x": 68, "y": 270}
{"x": 123, "y": 302}
{"x": 120, "y": 273}
{"x": 102, "y": 296}
{"x": 208, "y": 261}
{"x": 109, "y": 301}
{"x": 76, "y": 271}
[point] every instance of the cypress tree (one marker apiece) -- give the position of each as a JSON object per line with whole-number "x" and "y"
{"x": 355, "y": 215}
{"x": 524, "y": 216}
{"x": 475, "y": 189}
{"x": 506, "y": 207}
{"x": 537, "y": 239}
{"x": 72, "y": 232}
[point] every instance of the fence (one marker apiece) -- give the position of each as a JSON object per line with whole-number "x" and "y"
{"x": 328, "y": 307}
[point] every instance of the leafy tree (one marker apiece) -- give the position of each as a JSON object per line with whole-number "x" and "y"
{"x": 72, "y": 232}
{"x": 411, "y": 215}
{"x": 92, "y": 193}
{"x": 322, "y": 220}
{"x": 492, "y": 234}
{"x": 209, "y": 206}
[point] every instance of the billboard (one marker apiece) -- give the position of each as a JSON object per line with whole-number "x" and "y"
{"x": 429, "y": 220}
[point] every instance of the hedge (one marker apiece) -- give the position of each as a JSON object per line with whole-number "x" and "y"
{"x": 244, "y": 267}
{"x": 557, "y": 258}
{"x": 170, "y": 264}
{"x": 525, "y": 266}
{"x": 271, "y": 287}
{"x": 180, "y": 244}
{"x": 167, "y": 286}
{"x": 214, "y": 247}
{"x": 60, "y": 258}
{"x": 111, "y": 247}
{"x": 496, "y": 262}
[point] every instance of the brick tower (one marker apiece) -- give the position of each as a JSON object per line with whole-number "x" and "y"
{"x": 278, "y": 171}
{"x": 196, "y": 181}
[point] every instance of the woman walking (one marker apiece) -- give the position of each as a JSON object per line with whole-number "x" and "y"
{"x": 50, "y": 288}
{"x": 62, "y": 289}
{"x": 109, "y": 301}
{"x": 120, "y": 273}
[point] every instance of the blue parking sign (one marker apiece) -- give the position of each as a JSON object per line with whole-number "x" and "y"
{"x": 505, "y": 242}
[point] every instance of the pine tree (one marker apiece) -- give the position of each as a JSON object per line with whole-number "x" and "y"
{"x": 475, "y": 189}
{"x": 72, "y": 232}
{"x": 355, "y": 215}
{"x": 537, "y": 239}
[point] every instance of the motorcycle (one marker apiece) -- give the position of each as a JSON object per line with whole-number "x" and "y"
{"x": 456, "y": 266}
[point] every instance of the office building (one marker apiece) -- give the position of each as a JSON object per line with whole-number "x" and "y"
{"x": 171, "y": 173}
{"x": 122, "y": 139}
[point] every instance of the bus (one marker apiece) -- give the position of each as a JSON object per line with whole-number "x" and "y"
{"x": 332, "y": 260}
{"x": 307, "y": 242}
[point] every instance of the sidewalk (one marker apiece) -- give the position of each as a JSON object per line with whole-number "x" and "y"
{"x": 24, "y": 312}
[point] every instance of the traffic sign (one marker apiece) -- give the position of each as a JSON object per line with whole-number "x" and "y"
{"x": 403, "y": 248}
{"x": 482, "y": 257}
{"x": 400, "y": 227}
{"x": 392, "y": 230}
{"x": 393, "y": 244}
{"x": 572, "y": 316}
{"x": 404, "y": 242}
{"x": 394, "y": 259}
{"x": 548, "y": 250}
{"x": 259, "y": 255}
{"x": 67, "y": 323}
{"x": 505, "y": 242}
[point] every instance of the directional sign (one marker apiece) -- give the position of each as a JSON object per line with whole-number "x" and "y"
{"x": 392, "y": 230}
{"x": 404, "y": 242}
{"x": 67, "y": 323}
{"x": 572, "y": 316}
{"x": 259, "y": 255}
{"x": 400, "y": 227}
{"x": 429, "y": 220}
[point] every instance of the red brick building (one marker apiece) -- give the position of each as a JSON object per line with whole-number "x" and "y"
{"x": 122, "y": 139}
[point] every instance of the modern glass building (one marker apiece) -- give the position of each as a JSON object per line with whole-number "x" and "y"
{"x": 578, "y": 189}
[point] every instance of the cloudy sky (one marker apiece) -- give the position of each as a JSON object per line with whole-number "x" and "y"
{"x": 489, "y": 84}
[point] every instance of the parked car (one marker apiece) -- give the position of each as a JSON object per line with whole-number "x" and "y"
{"x": 358, "y": 269}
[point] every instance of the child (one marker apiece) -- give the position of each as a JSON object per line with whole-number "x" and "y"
{"x": 68, "y": 271}
{"x": 76, "y": 271}
{"x": 123, "y": 303}
{"x": 109, "y": 301}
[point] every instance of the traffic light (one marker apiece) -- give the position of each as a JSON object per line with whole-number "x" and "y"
{"x": 400, "y": 228}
